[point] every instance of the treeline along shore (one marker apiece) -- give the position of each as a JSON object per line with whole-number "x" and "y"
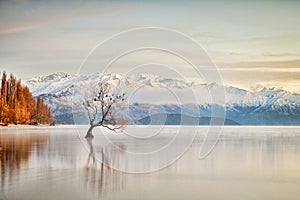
{"x": 18, "y": 106}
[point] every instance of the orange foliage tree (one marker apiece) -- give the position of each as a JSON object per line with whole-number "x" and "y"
{"x": 18, "y": 106}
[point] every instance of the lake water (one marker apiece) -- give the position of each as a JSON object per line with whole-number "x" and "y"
{"x": 58, "y": 163}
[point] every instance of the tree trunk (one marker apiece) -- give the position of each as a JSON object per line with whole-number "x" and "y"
{"x": 89, "y": 133}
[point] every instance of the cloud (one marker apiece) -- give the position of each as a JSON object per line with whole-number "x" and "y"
{"x": 265, "y": 64}
{"x": 282, "y": 54}
{"x": 261, "y": 69}
{"x": 50, "y": 14}
{"x": 16, "y": 29}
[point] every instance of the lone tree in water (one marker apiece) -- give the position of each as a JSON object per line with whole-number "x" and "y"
{"x": 102, "y": 107}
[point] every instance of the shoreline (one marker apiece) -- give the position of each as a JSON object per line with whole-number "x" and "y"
{"x": 86, "y": 125}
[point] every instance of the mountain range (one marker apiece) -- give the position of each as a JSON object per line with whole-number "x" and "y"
{"x": 152, "y": 95}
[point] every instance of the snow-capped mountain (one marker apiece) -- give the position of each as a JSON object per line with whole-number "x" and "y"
{"x": 147, "y": 89}
{"x": 157, "y": 81}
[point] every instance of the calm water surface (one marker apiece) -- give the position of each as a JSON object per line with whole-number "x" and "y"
{"x": 58, "y": 163}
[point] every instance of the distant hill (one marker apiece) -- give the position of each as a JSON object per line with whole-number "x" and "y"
{"x": 177, "y": 119}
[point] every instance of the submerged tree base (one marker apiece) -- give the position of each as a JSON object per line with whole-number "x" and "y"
{"x": 89, "y": 133}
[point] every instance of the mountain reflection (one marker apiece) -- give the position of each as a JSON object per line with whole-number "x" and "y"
{"x": 15, "y": 151}
{"x": 99, "y": 174}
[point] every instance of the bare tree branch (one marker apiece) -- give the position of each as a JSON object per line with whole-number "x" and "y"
{"x": 102, "y": 108}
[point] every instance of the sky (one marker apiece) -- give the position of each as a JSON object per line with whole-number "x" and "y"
{"x": 253, "y": 44}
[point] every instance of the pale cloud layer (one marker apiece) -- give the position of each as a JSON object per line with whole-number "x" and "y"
{"x": 252, "y": 42}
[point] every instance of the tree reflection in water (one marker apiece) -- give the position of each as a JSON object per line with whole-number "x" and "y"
{"x": 15, "y": 151}
{"x": 99, "y": 174}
